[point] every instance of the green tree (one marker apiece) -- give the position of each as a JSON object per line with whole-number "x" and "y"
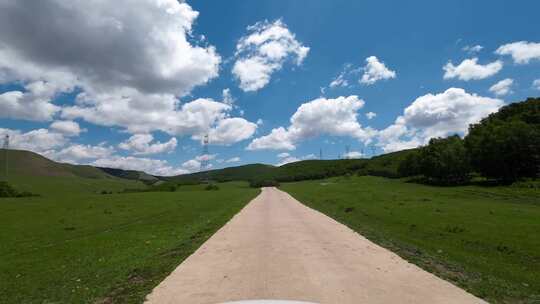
{"x": 506, "y": 145}
{"x": 445, "y": 161}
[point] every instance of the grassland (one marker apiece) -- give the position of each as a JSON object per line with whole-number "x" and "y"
{"x": 485, "y": 240}
{"x": 73, "y": 245}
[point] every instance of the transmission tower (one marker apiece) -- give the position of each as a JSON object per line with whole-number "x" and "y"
{"x": 6, "y": 149}
{"x": 205, "y": 154}
{"x": 320, "y": 154}
{"x": 373, "y": 150}
{"x": 347, "y": 149}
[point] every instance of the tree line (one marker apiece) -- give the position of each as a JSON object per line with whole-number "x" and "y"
{"x": 504, "y": 147}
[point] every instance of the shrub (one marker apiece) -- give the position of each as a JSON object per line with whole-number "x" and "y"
{"x": 445, "y": 161}
{"x": 211, "y": 187}
{"x": 263, "y": 183}
{"x": 6, "y": 190}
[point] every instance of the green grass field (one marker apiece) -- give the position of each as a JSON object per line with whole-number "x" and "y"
{"x": 486, "y": 240}
{"x": 72, "y": 245}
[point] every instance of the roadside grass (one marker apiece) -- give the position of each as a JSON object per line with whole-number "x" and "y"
{"x": 77, "y": 246}
{"x": 484, "y": 239}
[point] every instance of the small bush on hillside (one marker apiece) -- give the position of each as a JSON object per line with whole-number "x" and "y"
{"x": 6, "y": 190}
{"x": 211, "y": 187}
{"x": 263, "y": 183}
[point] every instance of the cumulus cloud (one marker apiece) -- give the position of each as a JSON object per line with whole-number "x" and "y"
{"x": 342, "y": 79}
{"x": 233, "y": 159}
{"x": 536, "y": 84}
{"x": 353, "y": 155}
{"x": 502, "y": 87}
{"x": 371, "y": 115}
{"x": 197, "y": 117}
{"x": 375, "y": 70}
{"x": 78, "y": 153}
{"x": 522, "y": 52}
{"x": 231, "y": 130}
{"x": 436, "y": 115}
{"x": 66, "y": 127}
{"x": 129, "y": 69}
{"x": 335, "y": 117}
{"x": 148, "y": 165}
{"x": 26, "y": 105}
{"x": 469, "y": 69}
{"x": 39, "y": 140}
{"x": 142, "y": 144}
{"x": 472, "y": 49}
{"x": 285, "y": 158}
{"x": 263, "y": 51}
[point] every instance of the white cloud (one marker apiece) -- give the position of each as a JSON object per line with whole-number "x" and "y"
{"x": 206, "y": 157}
{"x": 143, "y": 114}
{"x": 469, "y": 69}
{"x": 536, "y": 84}
{"x": 66, "y": 127}
{"x": 78, "y": 153}
{"x": 263, "y": 51}
{"x": 283, "y": 155}
{"x": 375, "y": 71}
{"x": 436, "y": 115}
{"x": 230, "y": 130}
{"x": 142, "y": 144}
{"x": 471, "y": 49}
{"x": 131, "y": 68}
{"x": 278, "y": 139}
{"x": 341, "y": 80}
{"x": 148, "y": 165}
{"x": 291, "y": 159}
{"x": 353, "y": 154}
{"x": 40, "y": 140}
{"x": 29, "y": 106}
{"x": 502, "y": 87}
{"x": 522, "y": 51}
{"x": 192, "y": 165}
{"x": 371, "y": 115}
{"x": 233, "y": 160}
{"x": 335, "y": 117}
{"x": 227, "y": 96}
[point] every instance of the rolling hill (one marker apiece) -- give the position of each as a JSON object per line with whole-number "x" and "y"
{"x": 29, "y": 171}
{"x": 383, "y": 165}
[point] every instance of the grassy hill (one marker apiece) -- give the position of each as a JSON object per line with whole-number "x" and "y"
{"x": 240, "y": 173}
{"x": 29, "y": 171}
{"x": 383, "y": 165}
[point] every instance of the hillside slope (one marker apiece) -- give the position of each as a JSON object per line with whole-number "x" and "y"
{"x": 29, "y": 171}
{"x": 29, "y": 163}
{"x": 383, "y": 165}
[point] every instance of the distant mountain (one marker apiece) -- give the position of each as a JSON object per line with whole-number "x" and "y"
{"x": 26, "y": 163}
{"x": 383, "y": 165}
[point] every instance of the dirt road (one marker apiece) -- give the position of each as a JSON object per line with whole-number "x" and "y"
{"x": 277, "y": 248}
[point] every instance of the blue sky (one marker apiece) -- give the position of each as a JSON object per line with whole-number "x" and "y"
{"x": 79, "y": 92}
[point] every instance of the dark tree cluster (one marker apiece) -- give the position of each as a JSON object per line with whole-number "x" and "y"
{"x": 505, "y": 146}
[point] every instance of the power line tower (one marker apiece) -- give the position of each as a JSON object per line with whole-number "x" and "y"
{"x": 347, "y": 149}
{"x": 205, "y": 154}
{"x": 6, "y": 149}
{"x": 373, "y": 150}
{"x": 320, "y": 153}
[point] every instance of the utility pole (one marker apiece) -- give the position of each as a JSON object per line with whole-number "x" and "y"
{"x": 320, "y": 153}
{"x": 205, "y": 157}
{"x": 6, "y": 149}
